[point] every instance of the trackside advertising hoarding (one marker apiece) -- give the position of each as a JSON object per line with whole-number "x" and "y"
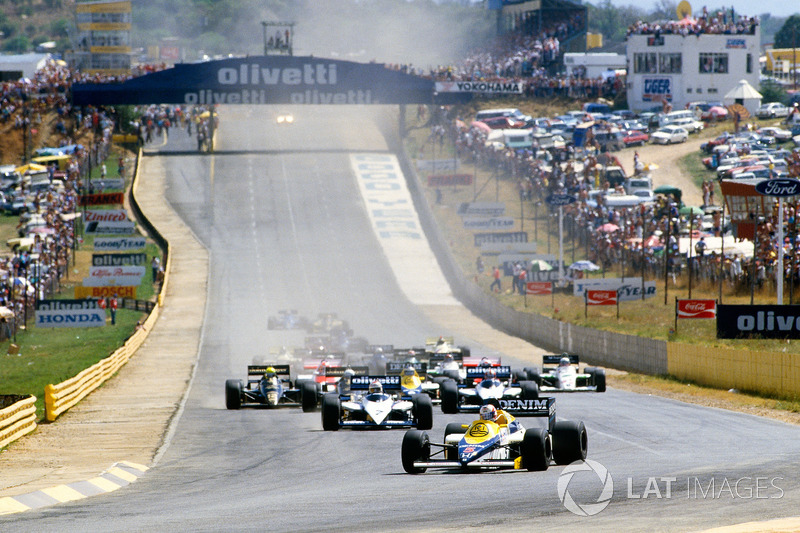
{"x": 69, "y": 314}
{"x": 629, "y": 289}
{"x": 119, "y": 244}
{"x": 693, "y": 309}
{"x": 760, "y": 321}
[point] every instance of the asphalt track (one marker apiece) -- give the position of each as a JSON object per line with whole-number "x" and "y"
{"x": 280, "y": 212}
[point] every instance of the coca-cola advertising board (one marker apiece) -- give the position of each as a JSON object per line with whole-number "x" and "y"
{"x": 601, "y": 297}
{"x": 539, "y": 288}
{"x": 697, "y": 309}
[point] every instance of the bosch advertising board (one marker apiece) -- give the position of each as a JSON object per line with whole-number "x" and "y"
{"x": 268, "y": 80}
{"x": 657, "y": 89}
{"x": 758, "y": 321}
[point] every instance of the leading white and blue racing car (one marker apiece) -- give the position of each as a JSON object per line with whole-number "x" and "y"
{"x": 376, "y": 401}
{"x": 483, "y": 384}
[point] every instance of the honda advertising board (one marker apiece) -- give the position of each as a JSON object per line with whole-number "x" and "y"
{"x": 763, "y": 321}
{"x": 69, "y": 314}
{"x": 630, "y": 289}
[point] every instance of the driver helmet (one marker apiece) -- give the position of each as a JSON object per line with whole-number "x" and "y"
{"x": 448, "y": 358}
{"x": 490, "y": 374}
{"x": 409, "y": 371}
{"x": 375, "y": 387}
{"x": 564, "y": 361}
{"x": 378, "y": 350}
{"x": 488, "y": 412}
{"x": 440, "y": 341}
{"x": 269, "y": 373}
{"x": 485, "y": 362}
{"x": 348, "y": 374}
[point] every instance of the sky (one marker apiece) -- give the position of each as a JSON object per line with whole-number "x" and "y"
{"x": 777, "y": 8}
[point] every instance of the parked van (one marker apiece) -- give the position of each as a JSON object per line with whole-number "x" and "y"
{"x": 638, "y": 183}
{"x": 670, "y": 118}
{"x": 513, "y": 138}
{"x": 596, "y": 108}
{"x": 609, "y": 140}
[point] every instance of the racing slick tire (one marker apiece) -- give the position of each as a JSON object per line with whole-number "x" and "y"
{"x": 518, "y": 376}
{"x": 439, "y": 380}
{"x": 530, "y": 390}
{"x": 533, "y": 374}
{"x": 422, "y": 411}
{"x": 536, "y": 450}
{"x": 416, "y": 446}
{"x": 233, "y": 393}
{"x": 308, "y": 396}
{"x": 452, "y": 374}
{"x": 449, "y": 391}
{"x": 465, "y": 352}
{"x": 600, "y": 379}
{"x": 570, "y": 441}
{"x": 331, "y": 412}
{"x": 451, "y": 453}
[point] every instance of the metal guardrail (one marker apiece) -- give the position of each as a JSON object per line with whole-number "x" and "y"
{"x": 18, "y": 419}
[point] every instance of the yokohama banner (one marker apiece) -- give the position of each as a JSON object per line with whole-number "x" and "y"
{"x": 697, "y": 309}
{"x": 764, "y": 321}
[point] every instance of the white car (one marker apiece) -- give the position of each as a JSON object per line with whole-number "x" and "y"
{"x": 772, "y": 110}
{"x": 670, "y": 135}
{"x": 779, "y": 134}
{"x": 689, "y": 124}
{"x": 565, "y": 377}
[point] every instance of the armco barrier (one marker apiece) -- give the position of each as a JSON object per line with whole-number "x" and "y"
{"x": 16, "y": 419}
{"x": 62, "y": 396}
{"x": 626, "y": 352}
{"x": 774, "y": 373}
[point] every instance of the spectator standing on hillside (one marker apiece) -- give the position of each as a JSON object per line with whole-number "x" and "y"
{"x": 496, "y": 282}
{"x": 112, "y": 306}
{"x": 155, "y": 264}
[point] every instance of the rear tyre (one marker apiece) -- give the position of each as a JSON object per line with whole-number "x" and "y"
{"x": 308, "y": 396}
{"x": 422, "y": 411}
{"x": 600, "y": 379}
{"x": 449, "y": 397}
{"x": 331, "y": 412}
{"x": 416, "y": 447}
{"x": 570, "y": 442}
{"x": 533, "y": 374}
{"x": 536, "y": 450}
{"x": 518, "y": 376}
{"x": 530, "y": 391}
{"x": 465, "y": 352}
{"x": 233, "y": 393}
{"x": 452, "y": 374}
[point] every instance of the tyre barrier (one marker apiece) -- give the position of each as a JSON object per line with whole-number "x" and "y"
{"x": 17, "y": 417}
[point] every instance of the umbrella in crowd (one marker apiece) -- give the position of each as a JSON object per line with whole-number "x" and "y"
{"x": 5, "y": 312}
{"x": 585, "y": 265}
{"x": 537, "y": 265}
{"x": 481, "y": 126}
{"x": 608, "y": 228}
{"x": 691, "y": 210}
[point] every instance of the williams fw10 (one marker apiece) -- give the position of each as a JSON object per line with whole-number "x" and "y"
{"x": 501, "y": 443}
{"x": 269, "y": 386}
{"x": 483, "y": 384}
{"x": 376, "y": 401}
{"x": 287, "y": 319}
{"x": 565, "y": 377}
{"x": 413, "y": 379}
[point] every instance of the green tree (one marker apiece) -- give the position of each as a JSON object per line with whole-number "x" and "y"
{"x": 18, "y": 44}
{"x": 772, "y": 92}
{"x": 789, "y": 34}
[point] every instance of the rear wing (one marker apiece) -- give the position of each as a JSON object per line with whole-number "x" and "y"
{"x": 335, "y": 359}
{"x": 541, "y": 408}
{"x": 503, "y": 372}
{"x": 482, "y": 362}
{"x": 438, "y": 358}
{"x": 400, "y": 353}
{"x": 430, "y": 341}
{"x": 338, "y": 371}
{"x": 288, "y": 312}
{"x": 555, "y": 359}
{"x": 362, "y": 382}
{"x": 260, "y": 370}
{"x": 394, "y": 368}
{"x": 385, "y": 348}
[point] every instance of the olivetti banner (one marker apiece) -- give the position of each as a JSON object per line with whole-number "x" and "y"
{"x": 763, "y": 321}
{"x": 268, "y": 80}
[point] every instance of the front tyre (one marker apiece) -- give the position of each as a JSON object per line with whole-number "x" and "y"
{"x": 233, "y": 393}
{"x": 449, "y": 397}
{"x": 416, "y": 447}
{"x": 530, "y": 390}
{"x": 331, "y": 412}
{"x": 570, "y": 442}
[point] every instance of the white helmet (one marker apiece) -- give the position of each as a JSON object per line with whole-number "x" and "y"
{"x": 564, "y": 361}
{"x": 488, "y": 412}
{"x": 375, "y": 387}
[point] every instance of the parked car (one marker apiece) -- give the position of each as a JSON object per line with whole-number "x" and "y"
{"x": 772, "y": 110}
{"x": 689, "y": 124}
{"x": 504, "y": 123}
{"x": 779, "y": 134}
{"x": 635, "y": 138}
{"x": 670, "y": 135}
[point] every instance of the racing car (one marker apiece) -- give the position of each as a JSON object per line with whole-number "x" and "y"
{"x": 444, "y": 345}
{"x": 375, "y": 401}
{"x": 498, "y": 441}
{"x": 325, "y": 322}
{"x": 270, "y": 386}
{"x": 410, "y": 381}
{"x": 287, "y": 319}
{"x": 483, "y": 384}
{"x": 565, "y": 377}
